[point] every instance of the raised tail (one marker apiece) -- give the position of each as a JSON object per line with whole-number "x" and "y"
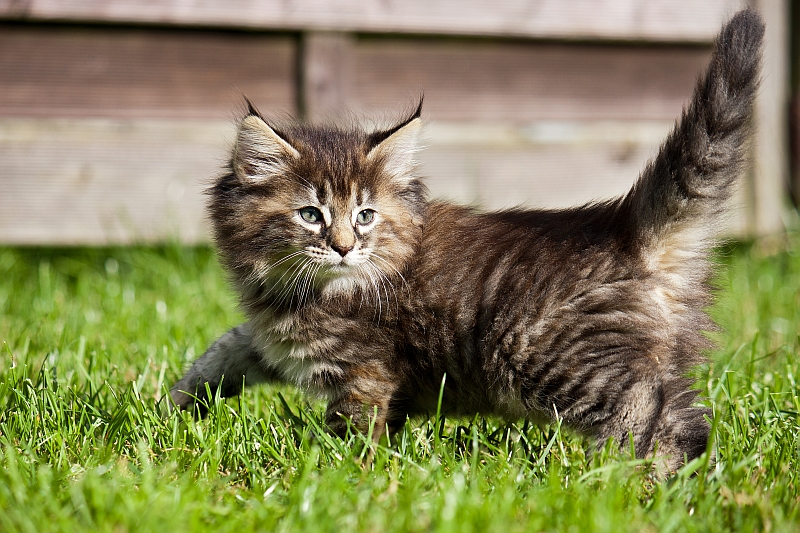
{"x": 693, "y": 175}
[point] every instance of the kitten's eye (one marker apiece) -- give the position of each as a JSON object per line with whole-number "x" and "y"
{"x": 311, "y": 215}
{"x": 365, "y": 217}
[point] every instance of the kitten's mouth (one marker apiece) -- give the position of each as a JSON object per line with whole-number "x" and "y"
{"x": 336, "y": 270}
{"x": 344, "y": 264}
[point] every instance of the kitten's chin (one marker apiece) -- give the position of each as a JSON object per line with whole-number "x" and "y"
{"x": 339, "y": 270}
{"x": 344, "y": 283}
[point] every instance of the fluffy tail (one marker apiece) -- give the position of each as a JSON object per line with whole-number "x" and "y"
{"x": 695, "y": 170}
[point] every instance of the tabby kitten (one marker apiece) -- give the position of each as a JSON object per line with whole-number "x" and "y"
{"x": 360, "y": 289}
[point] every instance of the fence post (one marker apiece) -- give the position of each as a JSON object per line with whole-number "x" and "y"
{"x": 324, "y": 75}
{"x": 771, "y": 161}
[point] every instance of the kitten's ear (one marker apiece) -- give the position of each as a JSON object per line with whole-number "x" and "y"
{"x": 260, "y": 152}
{"x": 396, "y": 147}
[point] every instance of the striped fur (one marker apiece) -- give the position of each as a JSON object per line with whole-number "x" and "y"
{"x": 361, "y": 290}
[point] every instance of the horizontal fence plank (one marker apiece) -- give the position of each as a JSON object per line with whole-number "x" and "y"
{"x": 477, "y": 80}
{"x": 98, "y": 181}
{"x": 538, "y": 165}
{"x": 63, "y": 71}
{"x": 79, "y": 181}
{"x": 638, "y": 20}
{"x": 548, "y": 164}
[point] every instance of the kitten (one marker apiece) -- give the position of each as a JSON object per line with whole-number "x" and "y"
{"x": 359, "y": 289}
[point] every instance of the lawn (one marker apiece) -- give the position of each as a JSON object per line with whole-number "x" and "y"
{"x": 91, "y": 339}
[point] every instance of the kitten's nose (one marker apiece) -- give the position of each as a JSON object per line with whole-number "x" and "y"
{"x": 341, "y": 250}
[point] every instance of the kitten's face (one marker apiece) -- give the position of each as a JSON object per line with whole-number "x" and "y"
{"x": 313, "y": 208}
{"x": 344, "y": 238}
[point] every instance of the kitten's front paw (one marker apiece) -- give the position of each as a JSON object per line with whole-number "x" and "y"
{"x": 339, "y": 425}
{"x": 344, "y": 417}
{"x": 180, "y": 400}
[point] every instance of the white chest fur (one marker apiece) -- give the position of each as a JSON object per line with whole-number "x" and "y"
{"x": 302, "y": 364}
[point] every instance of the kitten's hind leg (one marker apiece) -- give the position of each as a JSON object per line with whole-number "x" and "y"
{"x": 682, "y": 431}
{"x": 664, "y": 424}
{"x": 228, "y": 364}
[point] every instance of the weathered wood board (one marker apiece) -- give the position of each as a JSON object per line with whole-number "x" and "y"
{"x": 148, "y": 73}
{"x": 635, "y": 20}
{"x": 518, "y": 82}
{"x": 97, "y": 181}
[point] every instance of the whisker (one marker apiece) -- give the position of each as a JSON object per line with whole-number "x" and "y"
{"x": 377, "y": 295}
{"x": 387, "y": 284}
{"x": 362, "y": 282}
{"x": 390, "y": 265}
{"x": 308, "y": 284}
{"x": 378, "y": 277}
{"x": 291, "y": 284}
{"x": 262, "y": 273}
{"x": 294, "y": 267}
{"x": 299, "y": 284}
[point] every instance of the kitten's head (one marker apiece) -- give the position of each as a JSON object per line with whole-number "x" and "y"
{"x": 319, "y": 208}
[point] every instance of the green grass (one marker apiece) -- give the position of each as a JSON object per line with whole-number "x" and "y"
{"x": 92, "y": 338}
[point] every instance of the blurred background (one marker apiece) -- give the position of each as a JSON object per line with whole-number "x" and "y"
{"x": 116, "y": 114}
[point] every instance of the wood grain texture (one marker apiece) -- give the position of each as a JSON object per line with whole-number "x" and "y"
{"x": 771, "y": 138}
{"x": 547, "y": 164}
{"x": 99, "y": 181}
{"x": 523, "y": 81}
{"x": 637, "y": 20}
{"x": 327, "y": 73}
{"x": 63, "y": 71}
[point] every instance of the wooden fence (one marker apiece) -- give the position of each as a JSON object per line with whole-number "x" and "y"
{"x": 115, "y": 114}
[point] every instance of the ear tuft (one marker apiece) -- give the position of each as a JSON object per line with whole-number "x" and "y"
{"x": 251, "y": 109}
{"x": 260, "y": 152}
{"x": 396, "y": 147}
